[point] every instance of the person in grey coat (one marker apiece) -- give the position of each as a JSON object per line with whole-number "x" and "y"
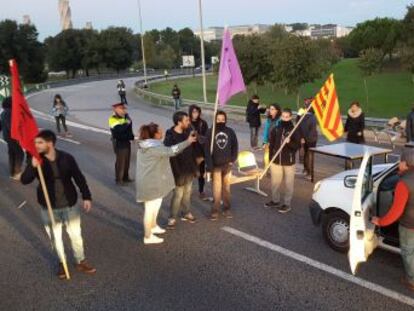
{"x": 154, "y": 176}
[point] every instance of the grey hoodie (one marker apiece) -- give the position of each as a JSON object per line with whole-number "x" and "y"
{"x": 154, "y": 178}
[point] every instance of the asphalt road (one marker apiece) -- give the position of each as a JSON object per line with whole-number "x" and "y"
{"x": 251, "y": 262}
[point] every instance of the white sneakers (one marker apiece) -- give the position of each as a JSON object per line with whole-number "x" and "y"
{"x": 153, "y": 239}
{"x": 158, "y": 230}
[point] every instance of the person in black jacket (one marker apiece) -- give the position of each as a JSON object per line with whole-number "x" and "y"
{"x": 60, "y": 172}
{"x": 122, "y": 91}
{"x": 184, "y": 169}
{"x": 283, "y": 167}
{"x": 176, "y": 95}
{"x": 219, "y": 163}
{"x": 409, "y": 126}
{"x": 16, "y": 154}
{"x": 201, "y": 127}
{"x": 121, "y": 129}
{"x": 253, "y": 112}
{"x": 309, "y": 136}
{"x": 355, "y": 124}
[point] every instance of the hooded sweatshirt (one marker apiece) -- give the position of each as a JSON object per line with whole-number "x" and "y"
{"x": 288, "y": 155}
{"x": 253, "y": 114}
{"x": 226, "y": 147}
{"x": 355, "y": 123}
{"x": 154, "y": 178}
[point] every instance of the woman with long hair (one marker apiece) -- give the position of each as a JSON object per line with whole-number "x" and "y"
{"x": 59, "y": 111}
{"x": 355, "y": 124}
{"x": 273, "y": 119}
{"x": 154, "y": 177}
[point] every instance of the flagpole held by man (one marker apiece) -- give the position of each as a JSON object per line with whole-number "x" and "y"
{"x": 24, "y": 130}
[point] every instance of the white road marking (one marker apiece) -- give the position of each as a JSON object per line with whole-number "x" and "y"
{"x": 22, "y": 204}
{"x": 69, "y": 140}
{"x": 321, "y": 266}
{"x": 3, "y": 141}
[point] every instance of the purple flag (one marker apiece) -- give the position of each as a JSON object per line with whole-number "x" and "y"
{"x": 230, "y": 81}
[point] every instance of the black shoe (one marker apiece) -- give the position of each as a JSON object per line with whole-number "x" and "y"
{"x": 128, "y": 180}
{"x": 271, "y": 204}
{"x": 284, "y": 208}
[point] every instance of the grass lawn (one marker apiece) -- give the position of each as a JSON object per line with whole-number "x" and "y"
{"x": 391, "y": 93}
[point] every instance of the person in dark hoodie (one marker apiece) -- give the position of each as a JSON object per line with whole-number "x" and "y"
{"x": 253, "y": 112}
{"x": 309, "y": 136}
{"x": 283, "y": 167}
{"x": 355, "y": 124}
{"x": 201, "y": 127}
{"x": 184, "y": 169}
{"x": 16, "y": 154}
{"x": 409, "y": 127}
{"x": 219, "y": 163}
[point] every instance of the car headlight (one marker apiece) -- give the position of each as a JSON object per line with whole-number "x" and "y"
{"x": 317, "y": 186}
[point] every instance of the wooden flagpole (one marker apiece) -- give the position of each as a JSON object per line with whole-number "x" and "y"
{"x": 213, "y": 131}
{"x": 284, "y": 143}
{"x": 52, "y": 218}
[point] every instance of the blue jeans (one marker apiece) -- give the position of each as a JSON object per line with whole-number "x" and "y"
{"x": 70, "y": 217}
{"x": 407, "y": 251}
{"x": 177, "y": 103}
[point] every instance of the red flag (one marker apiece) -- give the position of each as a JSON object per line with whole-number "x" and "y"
{"x": 23, "y": 126}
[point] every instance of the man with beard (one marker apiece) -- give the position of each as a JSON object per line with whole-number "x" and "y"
{"x": 283, "y": 167}
{"x": 219, "y": 163}
{"x": 60, "y": 171}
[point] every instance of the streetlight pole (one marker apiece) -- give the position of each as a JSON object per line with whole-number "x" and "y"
{"x": 203, "y": 60}
{"x": 142, "y": 45}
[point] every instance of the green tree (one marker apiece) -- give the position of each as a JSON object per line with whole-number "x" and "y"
{"x": 344, "y": 45}
{"x": 20, "y": 42}
{"x": 370, "y": 61}
{"x": 407, "y": 48}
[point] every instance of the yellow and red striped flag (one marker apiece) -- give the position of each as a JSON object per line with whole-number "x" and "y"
{"x": 327, "y": 112}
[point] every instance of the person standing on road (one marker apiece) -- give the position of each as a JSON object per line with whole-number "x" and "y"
{"x": 61, "y": 172}
{"x": 355, "y": 124}
{"x": 403, "y": 212}
{"x": 184, "y": 169}
{"x": 253, "y": 112}
{"x": 273, "y": 119}
{"x": 16, "y": 154}
{"x": 282, "y": 169}
{"x": 59, "y": 111}
{"x": 309, "y": 137}
{"x": 122, "y": 91}
{"x": 121, "y": 129}
{"x": 409, "y": 126}
{"x": 220, "y": 162}
{"x": 176, "y": 95}
{"x": 201, "y": 127}
{"x": 154, "y": 177}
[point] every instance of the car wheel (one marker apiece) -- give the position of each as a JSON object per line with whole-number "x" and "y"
{"x": 335, "y": 230}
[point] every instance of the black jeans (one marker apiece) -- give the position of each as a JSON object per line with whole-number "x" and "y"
{"x": 307, "y": 165}
{"x": 61, "y": 118}
{"x": 254, "y": 136}
{"x": 201, "y": 179}
{"x": 123, "y": 157}
{"x": 123, "y": 99}
{"x": 16, "y": 157}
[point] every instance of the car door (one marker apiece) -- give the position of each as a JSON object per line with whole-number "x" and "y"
{"x": 362, "y": 239}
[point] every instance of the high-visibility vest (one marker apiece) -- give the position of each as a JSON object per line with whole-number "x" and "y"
{"x": 115, "y": 120}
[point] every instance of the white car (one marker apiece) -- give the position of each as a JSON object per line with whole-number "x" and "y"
{"x": 344, "y": 203}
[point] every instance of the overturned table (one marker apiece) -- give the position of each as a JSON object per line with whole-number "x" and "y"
{"x": 348, "y": 151}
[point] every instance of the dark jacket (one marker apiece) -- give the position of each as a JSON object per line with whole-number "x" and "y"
{"x": 409, "y": 127}
{"x": 5, "y": 121}
{"x": 355, "y": 123}
{"x": 183, "y": 165}
{"x": 225, "y": 150}
{"x": 121, "y": 131}
{"x": 407, "y": 218}
{"x": 201, "y": 127}
{"x": 277, "y": 136}
{"x": 253, "y": 114}
{"x": 176, "y": 93}
{"x": 308, "y": 128}
{"x": 69, "y": 173}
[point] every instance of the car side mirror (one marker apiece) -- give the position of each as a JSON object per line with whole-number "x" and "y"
{"x": 350, "y": 181}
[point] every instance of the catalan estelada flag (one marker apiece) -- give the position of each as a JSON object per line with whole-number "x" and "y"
{"x": 327, "y": 112}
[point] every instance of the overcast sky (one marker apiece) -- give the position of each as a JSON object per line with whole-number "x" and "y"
{"x": 182, "y": 13}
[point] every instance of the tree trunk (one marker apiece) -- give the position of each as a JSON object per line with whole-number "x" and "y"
{"x": 87, "y": 72}
{"x": 73, "y": 73}
{"x": 367, "y": 94}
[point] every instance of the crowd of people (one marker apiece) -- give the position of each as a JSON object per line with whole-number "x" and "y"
{"x": 187, "y": 151}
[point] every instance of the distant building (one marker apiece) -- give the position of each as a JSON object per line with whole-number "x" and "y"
{"x": 88, "y": 25}
{"x": 26, "y": 20}
{"x": 65, "y": 15}
{"x": 329, "y": 31}
{"x": 303, "y": 33}
{"x": 211, "y": 33}
{"x": 246, "y": 30}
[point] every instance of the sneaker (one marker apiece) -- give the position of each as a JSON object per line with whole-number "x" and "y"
{"x": 271, "y": 204}
{"x": 16, "y": 177}
{"x": 284, "y": 208}
{"x": 85, "y": 267}
{"x": 171, "y": 224}
{"x": 227, "y": 214}
{"x": 153, "y": 239}
{"x": 61, "y": 272}
{"x": 67, "y": 134}
{"x": 214, "y": 216}
{"x": 158, "y": 230}
{"x": 189, "y": 218}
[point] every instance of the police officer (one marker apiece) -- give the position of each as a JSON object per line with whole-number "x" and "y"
{"x": 121, "y": 129}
